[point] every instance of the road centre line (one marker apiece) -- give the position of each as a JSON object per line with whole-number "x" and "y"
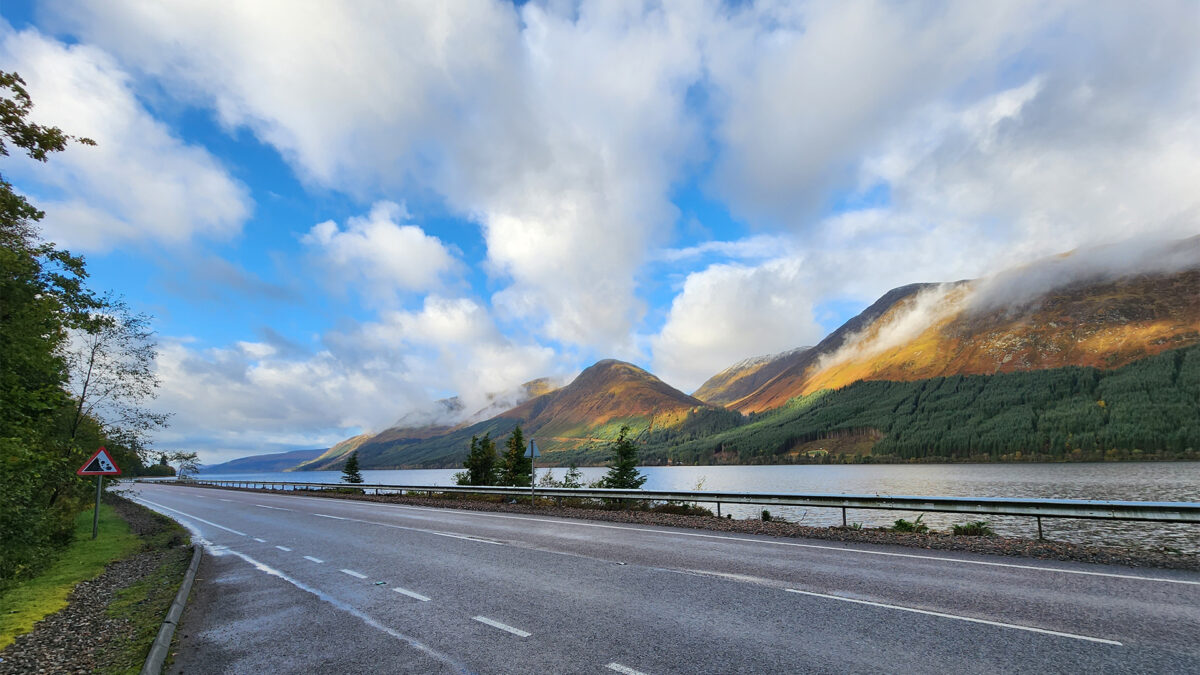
{"x": 352, "y": 573}
{"x": 799, "y": 545}
{"x": 623, "y": 669}
{"x": 316, "y": 560}
{"x": 415, "y": 596}
{"x": 188, "y": 515}
{"x": 1000, "y": 624}
{"x": 283, "y": 548}
{"x": 839, "y": 549}
{"x": 505, "y": 627}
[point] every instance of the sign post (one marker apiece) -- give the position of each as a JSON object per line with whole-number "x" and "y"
{"x": 532, "y": 453}
{"x": 100, "y": 464}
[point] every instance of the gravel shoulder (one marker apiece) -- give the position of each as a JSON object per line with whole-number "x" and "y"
{"x": 87, "y": 636}
{"x": 1043, "y": 549}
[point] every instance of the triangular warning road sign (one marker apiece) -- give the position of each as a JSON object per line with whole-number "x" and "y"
{"x": 99, "y": 464}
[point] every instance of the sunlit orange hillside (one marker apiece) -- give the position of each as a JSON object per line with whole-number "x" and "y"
{"x": 608, "y": 393}
{"x": 942, "y": 330}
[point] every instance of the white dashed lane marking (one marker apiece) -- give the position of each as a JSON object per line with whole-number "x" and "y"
{"x": 283, "y": 548}
{"x": 415, "y": 596}
{"x": 316, "y": 560}
{"x": 352, "y": 573}
{"x": 504, "y": 627}
{"x": 261, "y": 541}
{"x": 623, "y": 669}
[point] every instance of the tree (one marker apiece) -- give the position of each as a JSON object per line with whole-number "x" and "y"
{"x": 42, "y": 295}
{"x": 574, "y": 478}
{"x": 480, "y": 464}
{"x": 111, "y": 363}
{"x": 189, "y": 463}
{"x": 350, "y": 472}
{"x": 622, "y": 471}
{"x": 515, "y": 467}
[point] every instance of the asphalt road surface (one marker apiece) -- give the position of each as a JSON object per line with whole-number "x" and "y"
{"x": 303, "y": 584}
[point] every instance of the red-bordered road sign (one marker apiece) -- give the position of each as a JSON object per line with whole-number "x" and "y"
{"x": 99, "y": 464}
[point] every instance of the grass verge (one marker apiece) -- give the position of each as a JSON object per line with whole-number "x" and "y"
{"x": 143, "y": 606}
{"x": 28, "y": 602}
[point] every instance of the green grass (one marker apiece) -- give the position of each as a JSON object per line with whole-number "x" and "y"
{"x": 144, "y": 605}
{"x": 28, "y": 602}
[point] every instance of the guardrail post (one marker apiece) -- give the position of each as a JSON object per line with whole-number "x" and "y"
{"x": 844, "y": 525}
{"x": 1039, "y": 519}
{"x": 718, "y": 509}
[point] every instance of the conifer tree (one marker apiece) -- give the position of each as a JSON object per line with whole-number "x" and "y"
{"x": 515, "y": 467}
{"x": 622, "y": 472}
{"x": 350, "y": 472}
{"x": 480, "y": 464}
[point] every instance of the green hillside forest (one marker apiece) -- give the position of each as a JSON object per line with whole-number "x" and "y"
{"x": 1149, "y": 409}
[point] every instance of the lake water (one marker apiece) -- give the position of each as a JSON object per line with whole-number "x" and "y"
{"x": 1135, "y": 481}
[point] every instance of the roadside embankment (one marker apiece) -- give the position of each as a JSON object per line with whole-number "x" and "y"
{"x": 1010, "y": 546}
{"x": 110, "y": 619}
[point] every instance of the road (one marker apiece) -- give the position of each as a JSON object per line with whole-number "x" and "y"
{"x": 302, "y": 584}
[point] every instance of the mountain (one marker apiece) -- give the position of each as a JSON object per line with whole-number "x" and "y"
{"x": 950, "y": 329}
{"x": 746, "y": 376}
{"x": 587, "y": 413}
{"x": 442, "y": 418}
{"x": 333, "y": 457}
{"x": 793, "y": 371}
{"x": 279, "y": 461}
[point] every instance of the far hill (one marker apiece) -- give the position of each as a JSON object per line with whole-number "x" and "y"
{"x": 586, "y": 413}
{"x": 747, "y": 376}
{"x": 441, "y": 418}
{"x": 333, "y": 457}
{"x": 278, "y": 461}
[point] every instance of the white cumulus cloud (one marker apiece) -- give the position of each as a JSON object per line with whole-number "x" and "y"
{"x": 140, "y": 183}
{"x": 380, "y": 251}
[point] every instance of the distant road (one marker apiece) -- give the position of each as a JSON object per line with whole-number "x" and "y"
{"x": 306, "y": 584}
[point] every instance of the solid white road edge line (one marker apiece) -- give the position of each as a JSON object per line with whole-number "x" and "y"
{"x": 283, "y": 548}
{"x": 196, "y": 518}
{"x": 623, "y": 669}
{"x": 352, "y": 573}
{"x": 316, "y": 560}
{"x": 959, "y": 618}
{"x": 415, "y": 596}
{"x": 496, "y": 624}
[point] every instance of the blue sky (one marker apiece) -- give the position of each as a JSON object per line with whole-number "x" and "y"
{"x": 338, "y": 214}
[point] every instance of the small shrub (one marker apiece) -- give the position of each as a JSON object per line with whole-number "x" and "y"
{"x": 855, "y": 526}
{"x": 977, "y": 528}
{"x": 681, "y": 509}
{"x": 902, "y": 525}
{"x": 766, "y": 515}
